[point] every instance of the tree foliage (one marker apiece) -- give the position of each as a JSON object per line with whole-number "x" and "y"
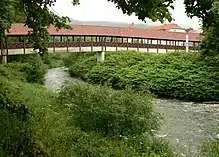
{"x": 153, "y": 9}
{"x": 210, "y": 42}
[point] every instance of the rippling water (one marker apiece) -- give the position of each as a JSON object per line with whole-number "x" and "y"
{"x": 186, "y": 124}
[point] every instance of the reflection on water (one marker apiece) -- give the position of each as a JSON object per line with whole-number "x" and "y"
{"x": 185, "y": 125}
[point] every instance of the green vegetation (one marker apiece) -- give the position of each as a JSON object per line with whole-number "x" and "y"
{"x": 210, "y": 148}
{"x": 187, "y": 76}
{"x": 83, "y": 120}
{"x": 29, "y": 68}
{"x": 113, "y": 113}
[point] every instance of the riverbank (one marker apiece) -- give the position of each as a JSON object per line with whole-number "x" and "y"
{"x": 186, "y": 124}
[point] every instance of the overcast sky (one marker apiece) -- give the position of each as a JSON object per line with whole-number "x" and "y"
{"x": 102, "y": 10}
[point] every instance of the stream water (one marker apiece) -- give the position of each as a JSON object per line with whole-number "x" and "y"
{"x": 186, "y": 124}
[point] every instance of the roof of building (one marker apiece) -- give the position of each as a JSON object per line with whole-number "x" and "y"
{"x": 132, "y": 25}
{"x": 166, "y": 27}
{"x": 88, "y": 30}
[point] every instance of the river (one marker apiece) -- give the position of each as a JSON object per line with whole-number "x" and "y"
{"x": 186, "y": 124}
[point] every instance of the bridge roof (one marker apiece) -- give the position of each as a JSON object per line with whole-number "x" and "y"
{"x": 88, "y": 30}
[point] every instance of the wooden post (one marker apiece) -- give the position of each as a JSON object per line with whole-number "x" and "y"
{"x": 127, "y": 44}
{"x": 24, "y": 45}
{"x": 157, "y": 46}
{"x": 54, "y": 44}
{"x": 80, "y": 44}
{"x": 138, "y": 45}
{"x": 6, "y": 41}
{"x": 116, "y": 41}
{"x": 166, "y": 46}
{"x": 3, "y": 55}
{"x": 67, "y": 43}
{"x": 91, "y": 44}
{"x": 148, "y": 45}
{"x": 105, "y": 43}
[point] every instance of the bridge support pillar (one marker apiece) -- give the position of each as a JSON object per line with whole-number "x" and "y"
{"x": 4, "y": 59}
{"x": 100, "y": 56}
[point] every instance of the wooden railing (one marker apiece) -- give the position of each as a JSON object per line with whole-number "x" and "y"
{"x": 20, "y": 45}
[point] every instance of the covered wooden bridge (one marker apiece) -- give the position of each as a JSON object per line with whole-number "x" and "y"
{"x": 102, "y": 38}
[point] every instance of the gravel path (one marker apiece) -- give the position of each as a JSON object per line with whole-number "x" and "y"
{"x": 186, "y": 124}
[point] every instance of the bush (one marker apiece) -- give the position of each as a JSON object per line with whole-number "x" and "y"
{"x": 114, "y": 123}
{"x": 44, "y": 123}
{"x": 30, "y": 68}
{"x": 210, "y": 148}
{"x": 34, "y": 69}
{"x": 79, "y": 63}
{"x": 11, "y": 71}
{"x": 112, "y": 113}
{"x": 15, "y": 133}
{"x": 187, "y": 76}
{"x": 54, "y": 60}
{"x": 49, "y": 129}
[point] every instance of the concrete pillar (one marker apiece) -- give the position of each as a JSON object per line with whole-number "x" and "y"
{"x": 3, "y": 54}
{"x": 4, "y": 59}
{"x": 100, "y": 56}
{"x": 187, "y": 42}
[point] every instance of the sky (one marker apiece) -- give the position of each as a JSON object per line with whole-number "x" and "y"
{"x": 102, "y": 10}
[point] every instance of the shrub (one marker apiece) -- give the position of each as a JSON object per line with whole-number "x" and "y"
{"x": 110, "y": 112}
{"x": 11, "y": 71}
{"x": 210, "y": 148}
{"x": 49, "y": 129}
{"x": 188, "y": 76}
{"x": 45, "y": 121}
{"x": 15, "y": 133}
{"x": 30, "y": 68}
{"x": 34, "y": 69}
{"x": 54, "y": 60}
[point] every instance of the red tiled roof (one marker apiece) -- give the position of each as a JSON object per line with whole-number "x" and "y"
{"x": 132, "y": 25}
{"x": 19, "y": 29}
{"x": 166, "y": 27}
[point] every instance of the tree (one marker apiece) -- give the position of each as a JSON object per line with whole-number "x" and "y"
{"x": 210, "y": 42}
{"x": 200, "y": 9}
{"x": 35, "y": 14}
{"x": 152, "y": 9}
